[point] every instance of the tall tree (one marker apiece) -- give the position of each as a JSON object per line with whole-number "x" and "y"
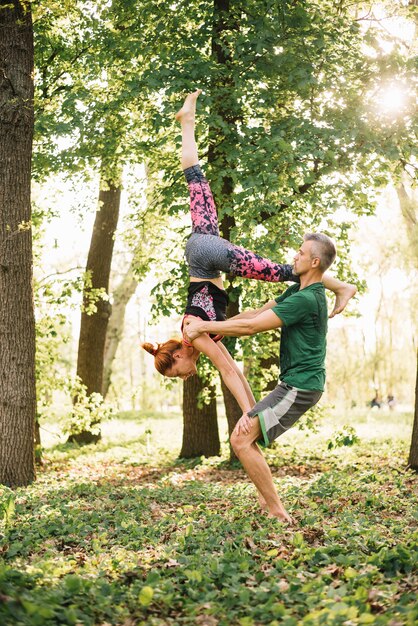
{"x": 409, "y": 210}
{"x": 226, "y": 110}
{"x": 17, "y": 324}
{"x": 94, "y": 322}
{"x": 413, "y": 450}
{"x": 121, "y": 296}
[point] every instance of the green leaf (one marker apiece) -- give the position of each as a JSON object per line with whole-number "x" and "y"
{"x": 194, "y": 575}
{"x": 350, "y": 572}
{"x": 145, "y": 596}
{"x": 366, "y": 618}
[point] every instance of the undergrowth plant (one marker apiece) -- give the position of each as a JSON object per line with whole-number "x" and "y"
{"x": 123, "y": 533}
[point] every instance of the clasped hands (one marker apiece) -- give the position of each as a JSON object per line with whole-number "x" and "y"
{"x": 192, "y": 328}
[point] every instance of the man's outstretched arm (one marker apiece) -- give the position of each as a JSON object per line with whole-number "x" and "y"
{"x": 267, "y": 320}
{"x": 251, "y": 313}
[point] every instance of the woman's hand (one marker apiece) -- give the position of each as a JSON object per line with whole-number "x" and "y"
{"x": 243, "y": 426}
{"x": 192, "y": 328}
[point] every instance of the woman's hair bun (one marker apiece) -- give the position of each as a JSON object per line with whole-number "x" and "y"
{"x": 152, "y": 348}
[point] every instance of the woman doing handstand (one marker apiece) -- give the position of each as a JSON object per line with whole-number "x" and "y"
{"x": 208, "y": 254}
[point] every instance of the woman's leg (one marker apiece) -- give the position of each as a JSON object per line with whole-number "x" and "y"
{"x": 248, "y": 264}
{"x": 186, "y": 117}
{"x": 202, "y": 205}
{"x": 239, "y": 262}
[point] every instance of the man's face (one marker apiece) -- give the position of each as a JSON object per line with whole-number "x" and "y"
{"x": 303, "y": 258}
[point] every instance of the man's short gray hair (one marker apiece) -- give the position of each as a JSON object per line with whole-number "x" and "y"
{"x": 323, "y": 248}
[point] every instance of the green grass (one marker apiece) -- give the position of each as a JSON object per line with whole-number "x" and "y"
{"x": 125, "y": 533}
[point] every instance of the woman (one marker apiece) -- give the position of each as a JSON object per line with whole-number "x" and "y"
{"x": 208, "y": 254}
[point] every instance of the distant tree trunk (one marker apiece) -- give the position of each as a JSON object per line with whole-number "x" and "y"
{"x": 17, "y": 322}
{"x": 408, "y": 206}
{"x": 121, "y": 296}
{"x": 410, "y": 213}
{"x": 413, "y": 452}
{"x": 93, "y": 327}
{"x": 200, "y": 425}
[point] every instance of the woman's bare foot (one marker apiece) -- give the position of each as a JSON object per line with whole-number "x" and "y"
{"x": 342, "y": 297}
{"x": 188, "y": 109}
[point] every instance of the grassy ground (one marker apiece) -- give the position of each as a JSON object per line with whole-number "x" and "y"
{"x": 123, "y": 533}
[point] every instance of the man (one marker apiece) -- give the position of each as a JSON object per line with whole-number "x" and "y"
{"x": 301, "y": 313}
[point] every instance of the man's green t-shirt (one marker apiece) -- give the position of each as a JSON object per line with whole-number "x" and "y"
{"x": 304, "y": 314}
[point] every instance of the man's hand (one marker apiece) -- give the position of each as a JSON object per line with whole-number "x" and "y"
{"x": 243, "y": 426}
{"x": 192, "y": 328}
{"x": 342, "y": 297}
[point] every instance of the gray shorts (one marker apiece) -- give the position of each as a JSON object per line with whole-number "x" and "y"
{"x": 207, "y": 255}
{"x": 282, "y": 407}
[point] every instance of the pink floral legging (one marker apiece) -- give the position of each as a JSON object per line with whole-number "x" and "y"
{"x": 240, "y": 262}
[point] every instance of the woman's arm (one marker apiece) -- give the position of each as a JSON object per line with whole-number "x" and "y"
{"x": 244, "y": 381}
{"x": 229, "y": 374}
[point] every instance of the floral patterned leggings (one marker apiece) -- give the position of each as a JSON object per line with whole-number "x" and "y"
{"x": 207, "y": 253}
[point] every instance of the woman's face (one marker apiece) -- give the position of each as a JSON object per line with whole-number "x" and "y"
{"x": 184, "y": 364}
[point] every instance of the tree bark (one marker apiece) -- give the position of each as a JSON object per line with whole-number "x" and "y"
{"x": 232, "y": 408}
{"x": 413, "y": 451}
{"x": 17, "y": 322}
{"x": 121, "y": 296}
{"x": 200, "y": 425}
{"x": 90, "y": 361}
{"x": 409, "y": 211}
{"x": 228, "y": 111}
{"x": 270, "y": 361}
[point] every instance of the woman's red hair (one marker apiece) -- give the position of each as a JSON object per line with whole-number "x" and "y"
{"x": 163, "y": 353}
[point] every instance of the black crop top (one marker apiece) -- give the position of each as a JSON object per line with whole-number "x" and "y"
{"x": 207, "y": 301}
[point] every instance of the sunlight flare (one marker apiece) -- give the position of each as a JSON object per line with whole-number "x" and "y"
{"x": 391, "y": 100}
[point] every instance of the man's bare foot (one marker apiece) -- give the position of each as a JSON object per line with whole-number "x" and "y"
{"x": 188, "y": 109}
{"x": 282, "y": 515}
{"x": 283, "y": 518}
{"x": 262, "y": 503}
{"x": 342, "y": 297}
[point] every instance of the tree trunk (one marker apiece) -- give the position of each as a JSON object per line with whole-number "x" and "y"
{"x": 121, "y": 296}
{"x": 38, "y": 443}
{"x": 17, "y": 322}
{"x": 272, "y": 360}
{"x": 90, "y": 362}
{"x": 413, "y": 452}
{"x": 409, "y": 211}
{"x": 200, "y": 425}
{"x": 232, "y": 408}
{"x": 408, "y": 208}
{"x": 229, "y": 111}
